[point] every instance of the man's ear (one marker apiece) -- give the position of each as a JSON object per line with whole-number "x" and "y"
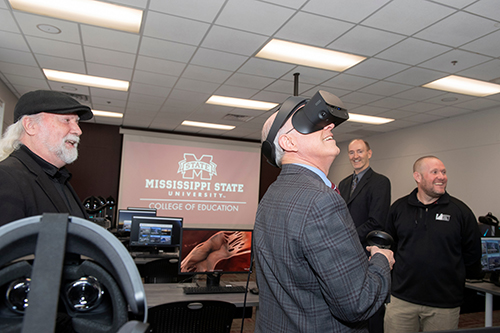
{"x": 369, "y": 154}
{"x": 287, "y": 142}
{"x": 417, "y": 176}
{"x": 30, "y": 125}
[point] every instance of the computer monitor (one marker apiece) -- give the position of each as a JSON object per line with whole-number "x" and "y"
{"x": 490, "y": 259}
{"x": 125, "y": 217}
{"x": 215, "y": 252}
{"x": 154, "y": 233}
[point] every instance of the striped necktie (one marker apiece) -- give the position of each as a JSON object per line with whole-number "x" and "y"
{"x": 354, "y": 183}
{"x": 335, "y": 188}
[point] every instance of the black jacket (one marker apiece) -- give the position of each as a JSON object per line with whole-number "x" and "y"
{"x": 436, "y": 245}
{"x": 26, "y": 190}
{"x": 369, "y": 203}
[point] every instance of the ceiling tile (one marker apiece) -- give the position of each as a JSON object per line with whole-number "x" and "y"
{"x": 249, "y": 81}
{"x": 166, "y": 50}
{"x": 55, "y": 48}
{"x": 454, "y": 61}
{"x": 61, "y": 64}
{"x": 174, "y": 28}
{"x": 233, "y": 41}
{"x": 407, "y": 17}
{"x": 486, "y": 8}
{"x": 486, "y": 71}
{"x": 391, "y": 102}
{"x": 416, "y": 76}
{"x": 487, "y": 45}
{"x": 8, "y": 22}
{"x": 260, "y": 17}
{"x": 159, "y": 66}
{"x": 109, "y": 57}
{"x": 268, "y": 68}
{"x": 424, "y": 118}
{"x": 376, "y": 68}
{"x": 197, "y": 86}
{"x": 155, "y": 79}
{"x": 22, "y": 70}
{"x": 217, "y": 59}
{"x": 365, "y": 41}
{"x": 310, "y": 29}
{"x": 206, "y": 74}
{"x": 385, "y": 88}
{"x": 412, "y": 51}
{"x": 29, "y": 26}
{"x": 452, "y": 30}
{"x": 205, "y": 11}
{"x": 347, "y": 10}
{"x": 15, "y": 41}
{"x": 351, "y": 82}
{"x": 109, "y": 39}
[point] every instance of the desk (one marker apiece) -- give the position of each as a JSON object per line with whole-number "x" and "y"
{"x": 160, "y": 293}
{"x": 489, "y": 289}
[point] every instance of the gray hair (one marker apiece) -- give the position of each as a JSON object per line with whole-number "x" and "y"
{"x": 11, "y": 139}
{"x": 278, "y": 151}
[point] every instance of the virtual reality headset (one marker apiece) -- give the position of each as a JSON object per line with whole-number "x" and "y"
{"x": 308, "y": 116}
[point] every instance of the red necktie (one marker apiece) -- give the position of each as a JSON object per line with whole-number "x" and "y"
{"x": 335, "y": 188}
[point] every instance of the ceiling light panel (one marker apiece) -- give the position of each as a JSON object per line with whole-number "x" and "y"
{"x": 360, "y": 118}
{"x": 310, "y": 56}
{"x": 92, "y": 12}
{"x": 107, "y": 114}
{"x": 207, "y": 125}
{"x": 463, "y": 85}
{"x": 86, "y": 80}
{"x": 240, "y": 103}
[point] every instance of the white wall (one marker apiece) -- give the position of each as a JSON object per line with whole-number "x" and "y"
{"x": 10, "y": 101}
{"x": 468, "y": 145}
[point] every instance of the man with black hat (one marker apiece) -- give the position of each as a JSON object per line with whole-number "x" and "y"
{"x": 33, "y": 154}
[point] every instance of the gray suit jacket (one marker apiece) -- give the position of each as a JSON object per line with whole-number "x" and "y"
{"x": 312, "y": 272}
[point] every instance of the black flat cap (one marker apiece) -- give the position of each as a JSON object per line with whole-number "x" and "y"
{"x": 49, "y": 101}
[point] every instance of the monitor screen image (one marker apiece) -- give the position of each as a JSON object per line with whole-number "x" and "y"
{"x": 125, "y": 217}
{"x": 490, "y": 258}
{"x": 156, "y": 231}
{"x": 215, "y": 251}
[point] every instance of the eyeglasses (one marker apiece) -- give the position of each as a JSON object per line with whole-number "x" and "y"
{"x": 290, "y": 130}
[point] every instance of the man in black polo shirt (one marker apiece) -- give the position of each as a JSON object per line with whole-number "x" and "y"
{"x": 33, "y": 154}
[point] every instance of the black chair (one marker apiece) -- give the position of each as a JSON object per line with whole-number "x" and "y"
{"x": 112, "y": 298}
{"x": 192, "y": 317}
{"x": 165, "y": 270}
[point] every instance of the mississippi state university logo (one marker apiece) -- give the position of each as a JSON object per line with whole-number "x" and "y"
{"x": 202, "y": 167}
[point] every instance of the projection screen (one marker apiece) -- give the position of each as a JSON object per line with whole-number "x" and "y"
{"x": 208, "y": 182}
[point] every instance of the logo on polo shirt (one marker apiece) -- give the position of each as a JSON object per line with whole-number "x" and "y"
{"x": 442, "y": 217}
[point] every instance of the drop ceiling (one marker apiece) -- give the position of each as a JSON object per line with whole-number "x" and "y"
{"x": 188, "y": 50}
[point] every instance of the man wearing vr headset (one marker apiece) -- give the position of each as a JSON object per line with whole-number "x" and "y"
{"x": 312, "y": 272}
{"x": 33, "y": 153}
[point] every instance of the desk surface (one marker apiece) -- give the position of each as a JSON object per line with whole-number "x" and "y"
{"x": 486, "y": 287}
{"x": 160, "y": 293}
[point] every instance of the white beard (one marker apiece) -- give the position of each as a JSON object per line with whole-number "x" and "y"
{"x": 67, "y": 155}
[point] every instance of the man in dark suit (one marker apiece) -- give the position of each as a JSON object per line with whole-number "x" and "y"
{"x": 368, "y": 197}
{"x": 34, "y": 152}
{"x": 312, "y": 272}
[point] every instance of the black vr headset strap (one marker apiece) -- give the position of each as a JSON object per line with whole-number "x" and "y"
{"x": 43, "y": 297}
{"x": 285, "y": 111}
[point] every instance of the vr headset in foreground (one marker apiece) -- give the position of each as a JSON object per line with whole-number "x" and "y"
{"x": 308, "y": 116}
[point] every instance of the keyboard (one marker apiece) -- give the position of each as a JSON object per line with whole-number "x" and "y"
{"x": 214, "y": 290}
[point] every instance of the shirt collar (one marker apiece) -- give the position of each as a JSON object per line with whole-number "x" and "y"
{"x": 362, "y": 173}
{"x": 62, "y": 175}
{"x": 318, "y": 172}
